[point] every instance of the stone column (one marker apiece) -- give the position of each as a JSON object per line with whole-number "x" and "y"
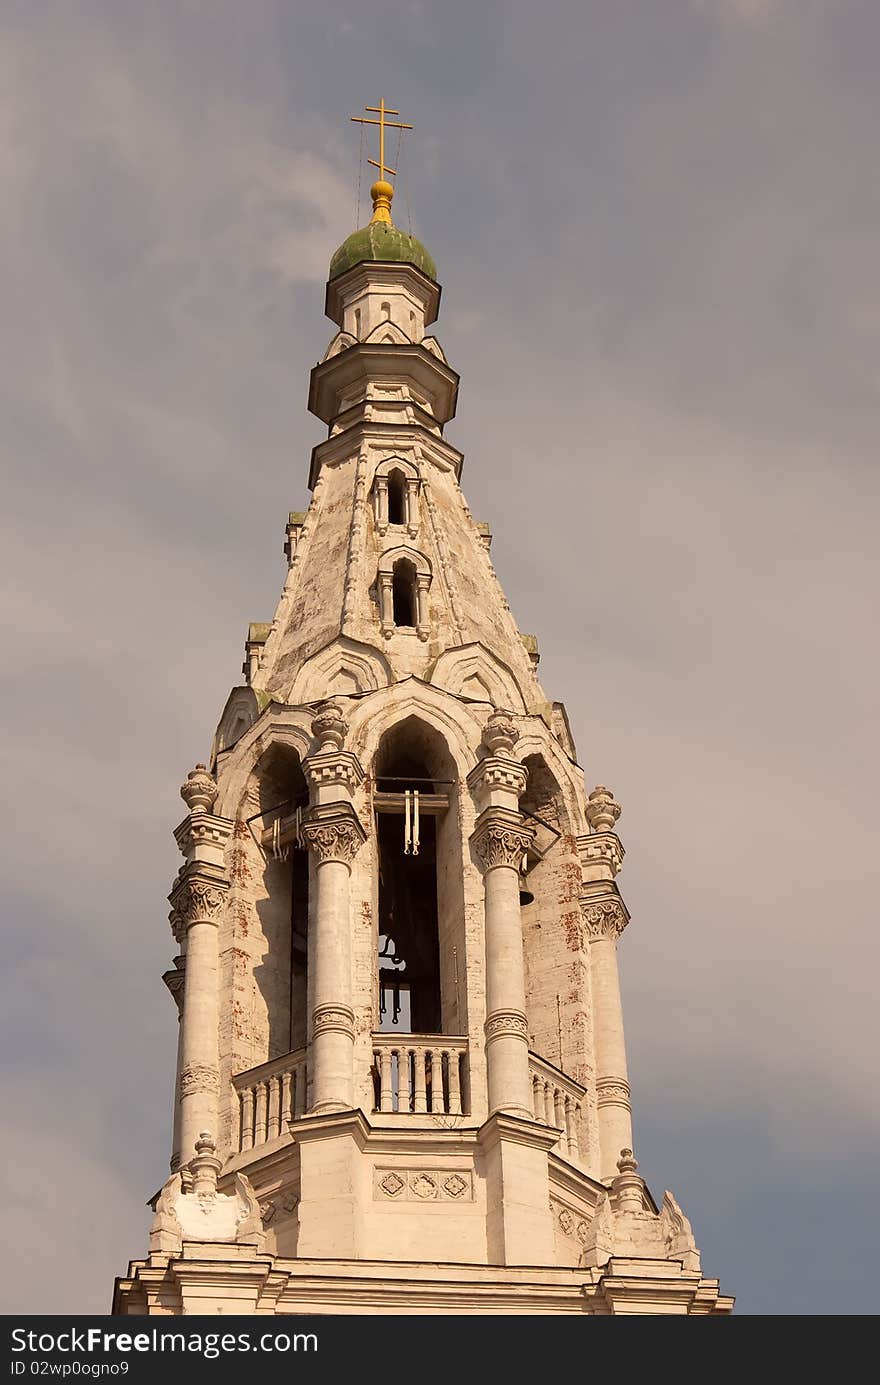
{"x": 423, "y": 581}
{"x": 386, "y": 603}
{"x": 499, "y": 841}
{"x": 605, "y": 918}
{"x": 334, "y": 834}
{"x": 412, "y": 506}
{"x": 198, "y": 898}
{"x": 174, "y": 980}
{"x": 382, "y": 504}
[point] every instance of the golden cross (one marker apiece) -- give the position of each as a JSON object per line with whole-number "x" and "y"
{"x": 381, "y": 110}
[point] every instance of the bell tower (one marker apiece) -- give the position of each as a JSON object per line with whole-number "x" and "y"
{"x": 401, "y": 1075}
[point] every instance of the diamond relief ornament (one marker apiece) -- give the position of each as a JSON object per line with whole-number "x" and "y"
{"x": 391, "y": 1184}
{"x": 455, "y": 1185}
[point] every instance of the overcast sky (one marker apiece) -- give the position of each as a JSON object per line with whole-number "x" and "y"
{"x": 656, "y": 223}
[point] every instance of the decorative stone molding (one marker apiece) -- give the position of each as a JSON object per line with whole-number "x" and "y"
{"x": 498, "y": 772}
{"x": 501, "y": 839}
{"x": 504, "y": 1022}
{"x": 202, "y": 829}
{"x": 329, "y": 727}
{"x": 602, "y": 810}
{"x": 334, "y": 838}
{"x": 334, "y": 767}
{"x": 333, "y": 1017}
{"x": 500, "y": 733}
{"x": 571, "y": 1222}
{"x": 174, "y": 980}
{"x": 197, "y": 899}
{"x": 603, "y": 918}
{"x": 199, "y": 1077}
{"x": 199, "y": 790}
{"x": 423, "y": 1185}
{"x": 602, "y": 849}
{"x": 189, "y": 1207}
{"x": 613, "y": 1091}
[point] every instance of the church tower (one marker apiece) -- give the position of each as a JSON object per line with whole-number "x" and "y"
{"x": 401, "y": 1074}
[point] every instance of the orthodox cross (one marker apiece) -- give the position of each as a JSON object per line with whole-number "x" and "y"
{"x": 382, "y": 111}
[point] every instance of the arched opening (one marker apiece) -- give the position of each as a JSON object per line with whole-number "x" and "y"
{"x": 403, "y": 593}
{"x": 396, "y": 498}
{"x": 282, "y": 975}
{"x": 419, "y": 868}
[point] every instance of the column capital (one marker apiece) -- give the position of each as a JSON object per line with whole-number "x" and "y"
{"x": 199, "y": 896}
{"x": 334, "y": 833}
{"x": 605, "y": 917}
{"x": 501, "y": 838}
{"x": 601, "y": 855}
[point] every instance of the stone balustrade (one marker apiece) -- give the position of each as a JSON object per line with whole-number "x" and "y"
{"x": 416, "y": 1073}
{"x": 558, "y": 1101}
{"x": 269, "y": 1096}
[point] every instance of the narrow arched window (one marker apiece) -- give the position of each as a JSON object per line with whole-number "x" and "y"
{"x": 396, "y": 498}
{"x": 403, "y": 592}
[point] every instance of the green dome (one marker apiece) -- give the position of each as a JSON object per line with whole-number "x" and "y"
{"x": 381, "y": 241}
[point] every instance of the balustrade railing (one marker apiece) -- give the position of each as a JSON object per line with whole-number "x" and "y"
{"x": 558, "y": 1101}
{"x": 415, "y": 1073}
{"x": 269, "y": 1096}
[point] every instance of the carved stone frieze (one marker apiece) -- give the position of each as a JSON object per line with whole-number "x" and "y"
{"x": 603, "y": 918}
{"x": 570, "y": 1221}
{"x": 338, "y": 1017}
{"x": 423, "y": 1185}
{"x": 198, "y": 1077}
{"x": 613, "y": 1091}
{"x": 506, "y": 1022}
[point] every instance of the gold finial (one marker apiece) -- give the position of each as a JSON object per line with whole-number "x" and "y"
{"x": 381, "y": 191}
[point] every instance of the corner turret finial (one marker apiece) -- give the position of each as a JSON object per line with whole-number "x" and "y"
{"x": 381, "y": 191}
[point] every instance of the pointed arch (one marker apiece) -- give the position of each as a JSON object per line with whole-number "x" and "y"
{"x": 341, "y": 342}
{"x": 388, "y": 331}
{"x": 392, "y": 556}
{"x": 344, "y": 667}
{"x": 472, "y": 666}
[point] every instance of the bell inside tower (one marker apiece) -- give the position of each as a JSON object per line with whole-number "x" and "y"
{"x": 417, "y": 955}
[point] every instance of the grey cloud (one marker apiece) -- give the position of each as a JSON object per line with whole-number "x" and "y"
{"x": 656, "y": 229}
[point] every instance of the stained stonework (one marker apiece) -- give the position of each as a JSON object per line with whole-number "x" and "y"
{"x": 401, "y": 1074}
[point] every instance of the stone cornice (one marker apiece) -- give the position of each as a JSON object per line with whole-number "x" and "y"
{"x": 501, "y": 1127}
{"x": 498, "y": 771}
{"x": 371, "y": 272}
{"x": 600, "y": 850}
{"x": 387, "y": 438}
{"x": 334, "y": 767}
{"x": 202, "y": 829}
{"x": 366, "y": 362}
